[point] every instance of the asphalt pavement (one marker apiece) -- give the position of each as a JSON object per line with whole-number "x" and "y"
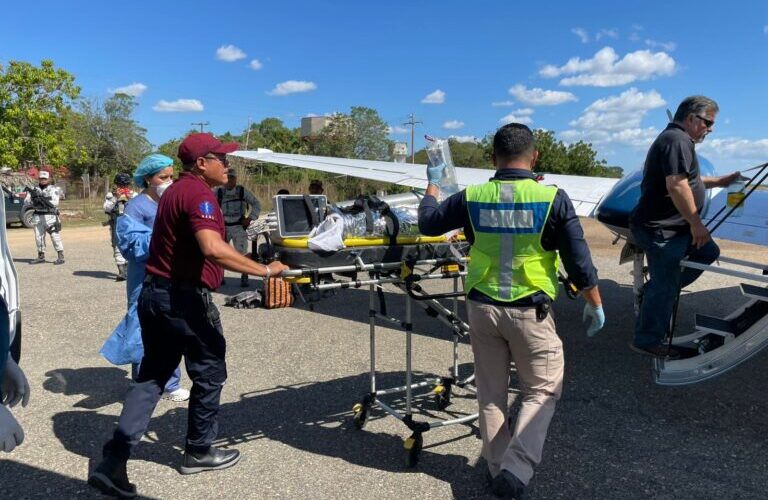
{"x": 294, "y": 375}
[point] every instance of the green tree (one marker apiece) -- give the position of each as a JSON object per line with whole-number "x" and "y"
{"x": 362, "y": 134}
{"x": 272, "y": 134}
{"x": 34, "y": 102}
{"x": 553, "y": 154}
{"x": 464, "y": 154}
{"x": 336, "y": 139}
{"x": 555, "y": 157}
{"x": 109, "y": 137}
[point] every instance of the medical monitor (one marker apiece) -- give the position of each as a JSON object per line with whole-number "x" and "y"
{"x": 294, "y": 213}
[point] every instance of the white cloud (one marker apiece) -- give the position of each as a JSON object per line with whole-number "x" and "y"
{"x": 292, "y": 87}
{"x": 453, "y": 124}
{"x": 436, "y": 97}
{"x": 616, "y": 119}
{"x": 581, "y": 33}
{"x": 607, "y": 33}
{"x": 255, "y": 64}
{"x": 135, "y": 89}
{"x": 178, "y": 106}
{"x": 668, "y": 46}
{"x": 737, "y": 152}
{"x": 229, "y": 53}
{"x": 502, "y": 104}
{"x": 518, "y": 116}
{"x": 605, "y": 69}
{"x": 398, "y": 130}
{"x": 634, "y": 137}
{"x": 540, "y": 97}
{"x": 464, "y": 138}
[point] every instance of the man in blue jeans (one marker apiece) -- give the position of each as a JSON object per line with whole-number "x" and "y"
{"x": 666, "y": 223}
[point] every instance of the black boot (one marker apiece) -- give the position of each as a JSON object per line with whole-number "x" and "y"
{"x": 111, "y": 477}
{"x": 507, "y": 485}
{"x": 122, "y": 273}
{"x": 60, "y": 260}
{"x": 40, "y": 258}
{"x": 212, "y": 459}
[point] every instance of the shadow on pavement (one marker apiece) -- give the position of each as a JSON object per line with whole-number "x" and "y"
{"x": 100, "y": 386}
{"x": 24, "y": 261}
{"x": 96, "y": 274}
{"x": 23, "y": 481}
{"x": 614, "y": 432}
{"x": 314, "y": 417}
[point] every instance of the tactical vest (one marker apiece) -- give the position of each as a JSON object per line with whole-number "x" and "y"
{"x": 508, "y": 261}
{"x": 239, "y": 198}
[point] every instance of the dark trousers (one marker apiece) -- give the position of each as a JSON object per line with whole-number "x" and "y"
{"x": 667, "y": 278}
{"x": 176, "y": 322}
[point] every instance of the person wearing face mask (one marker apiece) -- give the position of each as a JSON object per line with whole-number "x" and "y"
{"x": 133, "y": 232}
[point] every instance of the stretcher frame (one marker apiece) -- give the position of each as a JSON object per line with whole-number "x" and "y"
{"x": 407, "y": 279}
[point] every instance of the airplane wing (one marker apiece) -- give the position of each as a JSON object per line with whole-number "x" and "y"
{"x": 585, "y": 192}
{"x": 750, "y": 227}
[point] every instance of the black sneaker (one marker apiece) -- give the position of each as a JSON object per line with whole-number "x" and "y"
{"x": 507, "y": 485}
{"x": 40, "y": 258}
{"x": 213, "y": 459}
{"x": 60, "y": 260}
{"x": 111, "y": 478}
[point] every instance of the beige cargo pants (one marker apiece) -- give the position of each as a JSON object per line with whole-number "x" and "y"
{"x": 499, "y": 336}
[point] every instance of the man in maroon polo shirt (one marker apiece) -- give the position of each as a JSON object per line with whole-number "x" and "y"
{"x": 178, "y": 317}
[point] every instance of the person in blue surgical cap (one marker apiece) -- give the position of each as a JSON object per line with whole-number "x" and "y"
{"x": 134, "y": 231}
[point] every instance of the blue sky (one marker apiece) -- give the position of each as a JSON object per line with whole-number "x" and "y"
{"x": 599, "y": 71}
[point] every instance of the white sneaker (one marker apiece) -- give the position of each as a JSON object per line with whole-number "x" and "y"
{"x": 178, "y": 396}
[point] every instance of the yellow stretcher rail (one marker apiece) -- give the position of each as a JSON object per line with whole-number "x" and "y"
{"x": 368, "y": 242}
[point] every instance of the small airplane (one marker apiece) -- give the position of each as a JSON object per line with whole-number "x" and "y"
{"x": 717, "y": 344}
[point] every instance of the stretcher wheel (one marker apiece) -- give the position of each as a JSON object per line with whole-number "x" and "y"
{"x": 413, "y": 447}
{"x": 442, "y": 396}
{"x": 360, "y": 416}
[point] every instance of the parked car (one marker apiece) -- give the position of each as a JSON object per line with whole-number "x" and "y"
{"x": 15, "y": 212}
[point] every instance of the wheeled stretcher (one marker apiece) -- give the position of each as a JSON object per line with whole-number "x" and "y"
{"x": 408, "y": 264}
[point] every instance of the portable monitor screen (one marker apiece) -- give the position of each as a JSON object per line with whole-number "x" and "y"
{"x": 295, "y": 213}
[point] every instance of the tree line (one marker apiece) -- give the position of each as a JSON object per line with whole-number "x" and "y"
{"x": 44, "y": 120}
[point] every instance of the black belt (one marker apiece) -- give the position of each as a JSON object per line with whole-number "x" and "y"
{"x": 161, "y": 282}
{"x": 233, "y": 223}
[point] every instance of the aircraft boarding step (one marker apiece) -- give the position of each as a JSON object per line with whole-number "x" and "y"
{"x": 721, "y": 343}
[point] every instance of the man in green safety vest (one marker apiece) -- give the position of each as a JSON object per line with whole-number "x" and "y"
{"x": 519, "y": 229}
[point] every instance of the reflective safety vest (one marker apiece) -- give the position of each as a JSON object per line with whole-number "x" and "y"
{"x": 508, "y": 261}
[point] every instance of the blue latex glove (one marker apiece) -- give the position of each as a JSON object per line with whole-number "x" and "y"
{"x": 596, "y": 316}
{"x": 435, "y": 174}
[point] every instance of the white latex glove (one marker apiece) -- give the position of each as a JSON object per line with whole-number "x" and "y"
{"x": 11, "y": 433}
{"x": 15, "y": 386}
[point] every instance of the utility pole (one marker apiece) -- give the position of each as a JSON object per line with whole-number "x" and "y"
{"x": 248, "y": 134}
{"x": 201, "y": 125}
{"x": 412, "y": 122}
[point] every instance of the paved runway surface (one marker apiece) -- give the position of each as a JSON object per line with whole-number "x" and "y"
{"x": 294, "y": 375}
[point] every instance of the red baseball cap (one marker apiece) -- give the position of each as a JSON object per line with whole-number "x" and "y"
{"x": 197, "y": 145}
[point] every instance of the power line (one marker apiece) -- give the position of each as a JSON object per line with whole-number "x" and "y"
{"x": 201, "y": 125}
{"x": 412, "y": 122}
